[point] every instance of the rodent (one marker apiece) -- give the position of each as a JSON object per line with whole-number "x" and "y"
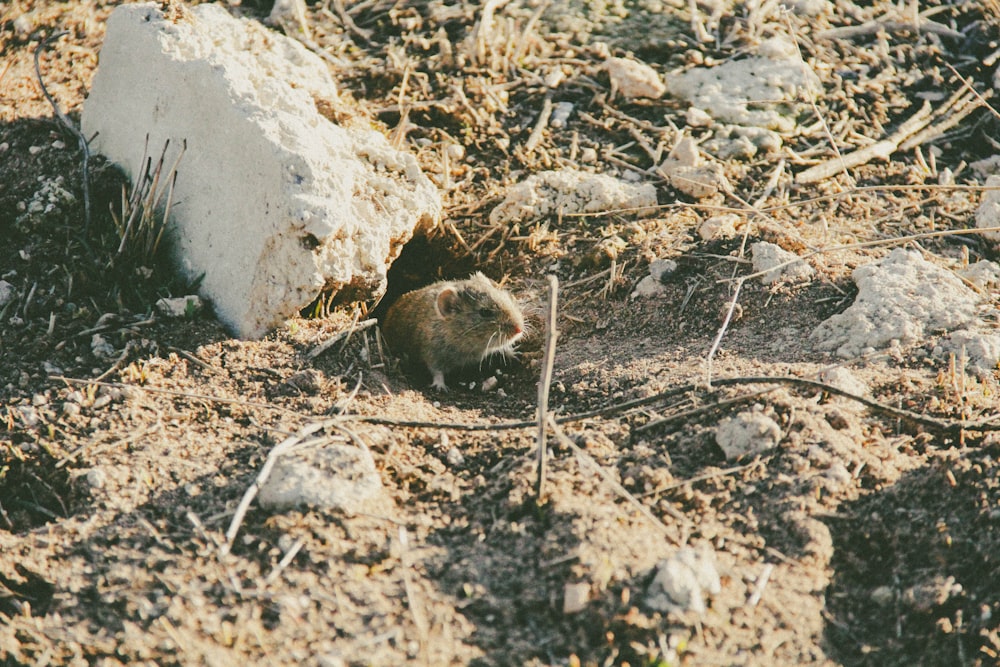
{"x": 452, "y": 324}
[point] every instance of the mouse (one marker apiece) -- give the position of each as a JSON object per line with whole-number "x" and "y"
{"x": 449, "y": 325}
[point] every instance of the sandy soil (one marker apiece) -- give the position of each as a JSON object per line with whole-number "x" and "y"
{"x": 862, "y": 539}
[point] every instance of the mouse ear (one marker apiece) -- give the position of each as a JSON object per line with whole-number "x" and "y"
{"x": 447, "y": 301}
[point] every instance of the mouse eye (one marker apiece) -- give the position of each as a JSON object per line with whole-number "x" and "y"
{"x": 485, "y": 312}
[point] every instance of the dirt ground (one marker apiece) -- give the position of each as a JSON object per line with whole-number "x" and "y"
{"x": 863, "y": 538}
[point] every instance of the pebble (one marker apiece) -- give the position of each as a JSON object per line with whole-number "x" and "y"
{"x": 575, "y": 597}
{"x": 682, "y": 580}
{"x": 97, "y": 478}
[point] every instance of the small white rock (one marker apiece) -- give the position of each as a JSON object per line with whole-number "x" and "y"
{"x": 101, "y": 348}
{"x": 696, "y": 117}
{"x": 575, "y": 597}
{"x": 719, "y": 227}
{"x": 7, "y": 293}
{"x": 842, "y": 378}
{"x": 185, "y": 307}
{"x": 455, "y": 457}
{"x": 779, "y": 264}
{"x": 747, "y": 433}
{"x": 633, "y": 79}
{"x": 97, "y": 478}
{"x": 337, "y": 476}
{"x": 682, "y": 581}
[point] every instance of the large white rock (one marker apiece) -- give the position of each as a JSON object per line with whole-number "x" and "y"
{"x": 755, "y": 91}
{"x": 903, "y": 297}
{"x": 273, "y": 201}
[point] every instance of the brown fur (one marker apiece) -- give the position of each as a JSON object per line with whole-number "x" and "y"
{"x": 449, "y": 325}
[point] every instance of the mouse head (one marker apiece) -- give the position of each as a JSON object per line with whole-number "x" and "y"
{"x": 483, "y": 311}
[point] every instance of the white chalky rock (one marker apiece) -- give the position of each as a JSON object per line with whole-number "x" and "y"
{"x": 7, "y": 293}
{"x": 843, "y": 379}
{"x": 273, "y": 202}
{"x": 719, "y": 227}
{"x": 652, "y": 285}
{"x": 633, "y": 79}
{"x": 332, "y": 476}
{"x": 751, "y": 91}
{"x": 901, "y": 298}
{"x": 689, "y": 174}
{"x": 988, "y": 213}
{"x": 983, "y": 274}
{"x": 747, "y": 433}
{"x": 779, "y": 264}
{"x": 981, "y": 350}
{"x": 682, "y": 581}
{"x": 568, "y": 191}
{"x": 181, "y": 307}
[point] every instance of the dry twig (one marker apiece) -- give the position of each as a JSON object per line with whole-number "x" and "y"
{"x": 551, "y": 333}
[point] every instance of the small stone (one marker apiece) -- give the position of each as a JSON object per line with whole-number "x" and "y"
{"x": 632, "y": 79}
{"x": 490, "y": 383}
{"x": 51, "y": 369}
{"x": 70, "y": 409}
{"x": 661, "y": 268}
{"x": 101, "y": 348}
{"x": 780, "y": 264}
{"x": 337, "y": 476}
{"x": 682, "y": 580}
{"x": 455, "y": 457}
{"x": 7, "y": 293}
{"x": 575, "y": 597}
{"x": 719, "y": 227}
{"x": 843, "y": 379}
{"x": 29, "y": 415}
{"x": 182, "y": 307}
{"x": 97, "y": 478}
{"x": 747, "y": 433}
{"x": 560, "y": 114}
{"x": 38, "y": 400}
{"x": 696, "y": 117}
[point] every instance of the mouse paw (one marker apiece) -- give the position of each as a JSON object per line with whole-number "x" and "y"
{"x": 438, "y": 382}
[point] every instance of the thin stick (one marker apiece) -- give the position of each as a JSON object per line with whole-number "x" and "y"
{"x": 543, "y": 386}
{"x": 64, "y": 119}
{"x": 762, "y": 580}
{"x": 282, "y": 448}
{"x": 285, "y": 560}
{"x": 540, "y": 125}
{"x": 722, "y": 331}
{"x": 880, "y": 149}
{"x": 694, "y": 412}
